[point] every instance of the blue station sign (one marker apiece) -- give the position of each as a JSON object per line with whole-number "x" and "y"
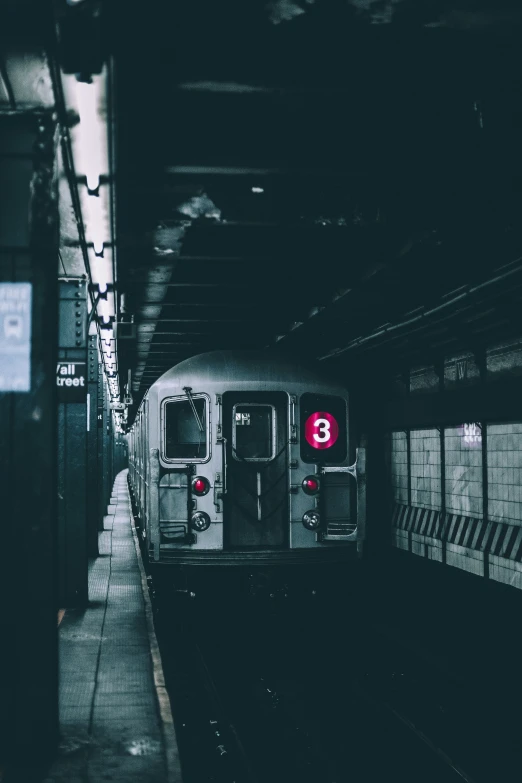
{"x": 15, "y": 337}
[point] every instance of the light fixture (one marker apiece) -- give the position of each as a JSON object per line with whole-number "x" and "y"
{"x": 311, "y": 520}
{"x": 104, "y": 310}
{"x": 200, "y": 486}
{"x": 95, "y": 223}
{"x": 310, "y": 485}
{"x": 89, "y": 131}
{"x": 200, "y": 521}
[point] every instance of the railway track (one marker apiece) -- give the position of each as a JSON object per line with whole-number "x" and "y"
{"x": 272, "y": 688}
{"x": 257, "y": 700}
{"x": 233, "y": 726}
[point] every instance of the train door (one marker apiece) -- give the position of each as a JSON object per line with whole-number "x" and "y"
{"x": 256, "y": 502}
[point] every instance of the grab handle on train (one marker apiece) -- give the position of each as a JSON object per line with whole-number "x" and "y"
{"x": 224, "y": 446}
{"x": 360, "y": 476}
{"x": 154, "y": 502}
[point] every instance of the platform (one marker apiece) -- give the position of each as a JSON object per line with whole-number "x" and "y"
{"x": 115, "y": 717}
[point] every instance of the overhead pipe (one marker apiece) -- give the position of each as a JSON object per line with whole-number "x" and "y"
{"x": 426, "y": 314}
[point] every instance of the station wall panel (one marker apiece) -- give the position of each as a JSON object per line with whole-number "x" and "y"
{"x": 424, "y": 379}
{"x": 505, "y": 360}
{"x": 425, "y": 468}
{"x": 463, "y": 474}
{"x": 475, "y": 521}
{"x": 398, "y": 461}
{"x": 505, "y": 473}
{"x": 461, "y": 370}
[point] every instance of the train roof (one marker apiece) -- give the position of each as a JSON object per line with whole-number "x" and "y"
{"x": 243, "y": 369}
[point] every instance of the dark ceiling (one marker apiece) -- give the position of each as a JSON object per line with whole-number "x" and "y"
{"x": 310, "y": 175}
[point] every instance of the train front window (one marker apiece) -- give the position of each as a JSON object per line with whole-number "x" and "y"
{"x": 253, "y": 430}
{"x": 185, "y": 436}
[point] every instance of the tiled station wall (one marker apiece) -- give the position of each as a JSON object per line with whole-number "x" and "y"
{"x": 457, "y": 497}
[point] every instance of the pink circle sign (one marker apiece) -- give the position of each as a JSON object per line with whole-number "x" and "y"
{"x": 321, "y": 430}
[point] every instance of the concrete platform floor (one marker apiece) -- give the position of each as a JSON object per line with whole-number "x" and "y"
{"x": 115, "y": 718}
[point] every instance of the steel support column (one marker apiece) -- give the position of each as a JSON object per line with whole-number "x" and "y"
{"x": 106, "y": 457}
{"x": 100, "y": 494}
{"x": 93, "y": 516}
{"x": 72, "y": 444}
{"x": 28, "y": 476}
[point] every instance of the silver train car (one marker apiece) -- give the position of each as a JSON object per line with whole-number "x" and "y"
{"x": 239, "y": 457}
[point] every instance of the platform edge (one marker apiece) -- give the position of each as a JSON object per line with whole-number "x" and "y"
{"x": 167, "y": 722}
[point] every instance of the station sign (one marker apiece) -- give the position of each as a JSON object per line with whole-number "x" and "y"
{"x": 15, "y": 337}
{"x": 471, "y": 435}
{"x": 71, "y": 380}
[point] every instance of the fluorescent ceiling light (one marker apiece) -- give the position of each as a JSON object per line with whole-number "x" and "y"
{"x": 91, "y": 132}
{"x": 104, "y": 309}
{"x": 96, "y": 221}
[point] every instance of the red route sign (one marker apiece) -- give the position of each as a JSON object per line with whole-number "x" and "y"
{"x": 321, "y": 430}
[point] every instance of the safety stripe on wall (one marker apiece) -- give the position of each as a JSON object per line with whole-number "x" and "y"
{"x": 495, "y": 538}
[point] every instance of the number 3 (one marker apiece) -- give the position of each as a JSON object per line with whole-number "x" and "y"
{"x": 324, "y": 429}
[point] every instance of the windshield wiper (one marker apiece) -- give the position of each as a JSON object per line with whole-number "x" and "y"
{"x": 188, "y": 390}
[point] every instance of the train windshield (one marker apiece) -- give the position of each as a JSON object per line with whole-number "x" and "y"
{"x": 184, "y": 439}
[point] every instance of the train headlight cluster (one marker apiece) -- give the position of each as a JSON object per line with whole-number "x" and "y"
{"x": 200, "y": 521}
{"x": 200, "y": 486}
{"x": 311, "y": 520}
{"x": 311, "y": 485}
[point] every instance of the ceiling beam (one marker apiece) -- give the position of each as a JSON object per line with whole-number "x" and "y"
{"x": 223, "y": 284}
{"x": 237, "y": 88}
{"x": 190, "y": 320}
{"x": 188, "y": 333}
{"x": 250, "y": 304}
{"x": 196, "y": 344}
{"x": 242, "y": 171}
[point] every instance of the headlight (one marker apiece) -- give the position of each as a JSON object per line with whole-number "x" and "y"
{"x": 311, "y": 485}
{"x": 200, "y": 486}
{"x": 311, "y": 520}
{"x": 200, "y": 521}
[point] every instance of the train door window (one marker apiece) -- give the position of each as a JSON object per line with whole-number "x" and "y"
{"x": 253, "y": 432}
{"x": 186, "y": 429}
{"x": 323, "y": 428}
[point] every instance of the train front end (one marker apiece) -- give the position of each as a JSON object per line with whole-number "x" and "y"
{"x": 242, "y": 464}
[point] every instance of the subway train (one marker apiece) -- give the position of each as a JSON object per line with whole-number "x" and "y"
{"x": 241, "y": 458}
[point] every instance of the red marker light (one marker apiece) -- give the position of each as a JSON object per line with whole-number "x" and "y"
{"x": 310, "y": 485}
{"x": 200, "y": 486}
